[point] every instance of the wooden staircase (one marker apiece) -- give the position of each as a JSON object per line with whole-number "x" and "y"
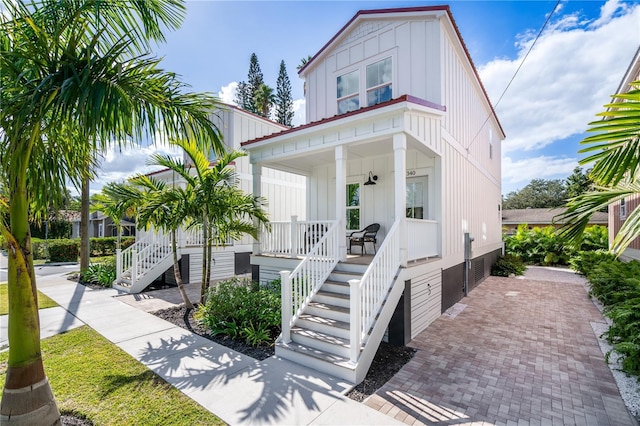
{"x": 320, "y": 336}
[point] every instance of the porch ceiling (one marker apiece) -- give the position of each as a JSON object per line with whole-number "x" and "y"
{"x": 369, "y": 134}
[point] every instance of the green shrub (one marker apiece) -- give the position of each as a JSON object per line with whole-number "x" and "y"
{"x": 617, "y": 285}
{"x": 584, "y": 261}
{"x": 103, "y": 274}
{"x": 241, "y": 309}
{"x": 538, "y": 246}
{"x": 595, "y": 238}
{"x": 40, "y": 249}
{"x": 508, "y": 265}
{"x": 63, "y": 251}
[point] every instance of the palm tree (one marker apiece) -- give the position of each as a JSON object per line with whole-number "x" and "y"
{"x": 165, "y": 208}
{"x": 111, "y": 203}
{"x": 222, "y": 210}
{"x": 615, "y": 149}
{"x": 264, "y": 100}
{"x": 73, "y": 77}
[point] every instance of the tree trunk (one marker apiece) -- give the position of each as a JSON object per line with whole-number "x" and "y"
{"x": 176, "y": 272}
{"x": 27, "y": 398}
{"x": 84, "y": 225}
{"x": 205, "y": 259}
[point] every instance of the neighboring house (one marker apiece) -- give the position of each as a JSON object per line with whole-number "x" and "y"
{"x": 101, "y": 225}
{"x": 541, "y": 218}
{"x": 149, "y": 259}
{"x": 620, "y": 210}
{"x": 400, "y": 133}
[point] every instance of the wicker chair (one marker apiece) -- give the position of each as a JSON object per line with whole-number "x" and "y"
{"x": 366, "y": 235}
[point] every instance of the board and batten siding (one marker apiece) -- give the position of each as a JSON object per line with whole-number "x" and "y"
{"x": 413, "y": 43}
{"x": 426, "y": 299}
{"x": 222, "y": 268}
{"x": 469, "y": 119}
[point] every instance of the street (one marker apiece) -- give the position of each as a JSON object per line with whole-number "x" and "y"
{"x": 41, "y": 270}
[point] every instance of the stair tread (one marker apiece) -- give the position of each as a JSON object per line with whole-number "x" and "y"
{"x": 342, "y": 283}
{"x": 329, "y": 307}
{"x": 332, "y": 294}
{"x": 326, "y": 321}
{"x": 318, "y": 353}
{"x": 318, "y": 335}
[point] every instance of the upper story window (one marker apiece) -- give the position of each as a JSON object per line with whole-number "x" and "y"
{"x": 348, "y": 92}
{"x": 379, "y": 82}
{"x": 377, "y": 88}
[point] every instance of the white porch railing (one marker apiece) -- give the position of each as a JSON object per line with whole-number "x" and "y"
{"x": 300, "y": 285}
{"x": 427, "y": 244}
{"x": 368, "y": 294}
{"x": 142, "y": 255}
{"x": 294, "y": 238}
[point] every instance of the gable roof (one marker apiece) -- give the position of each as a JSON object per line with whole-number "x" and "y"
{"x": 371, "y": 13}
{"x": 543, "y": 217}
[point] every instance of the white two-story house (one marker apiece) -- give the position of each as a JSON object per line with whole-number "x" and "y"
{"x": 401, "y": 134}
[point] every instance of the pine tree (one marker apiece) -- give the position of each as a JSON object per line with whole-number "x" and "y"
{"x": 255, "y": 79}
{"x": 243, "y": 97}
{"x": 283, "y": 101}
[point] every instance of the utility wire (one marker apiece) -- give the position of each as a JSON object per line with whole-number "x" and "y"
{"x": 495, "y": 106}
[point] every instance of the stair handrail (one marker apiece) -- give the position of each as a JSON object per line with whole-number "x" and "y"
{"x": 138, "y": 253}
{"x": 369, "y": 293}
{"x": 298, "y": 286}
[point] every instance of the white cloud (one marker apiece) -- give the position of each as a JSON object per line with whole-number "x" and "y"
{"x": 299, "y": 112}
{"x": 119, "y": 164}
{"x": 227, "y": 93}
{"x": 517, "y": 174}
{"x": 569, "y": 75}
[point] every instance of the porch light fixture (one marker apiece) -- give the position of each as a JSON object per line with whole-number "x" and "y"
{"x": 372, "y": 179}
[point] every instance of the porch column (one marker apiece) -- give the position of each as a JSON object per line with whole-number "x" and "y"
{"x": 341, "y": 197}
{"x": 256, "y": 172}
{"x": 400, "y": 186}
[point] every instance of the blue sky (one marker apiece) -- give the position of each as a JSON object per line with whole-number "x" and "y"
{"x": 570, "y": 73}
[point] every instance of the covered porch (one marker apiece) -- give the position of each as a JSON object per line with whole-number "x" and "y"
{"x": 378, "y": 165}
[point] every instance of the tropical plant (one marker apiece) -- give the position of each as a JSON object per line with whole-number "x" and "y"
{"x": 74, "y": 76}
{"x": 103, "y": 274}
{"x": 164, "y": 208}
{"x": 111, "y": 203}
{"x": 507, "y": 266}
{"x": 615, "y": 152}
{"x": 220, "y": 209}
{"x": 264, "y": 99}
{"x": 241, "y": 309}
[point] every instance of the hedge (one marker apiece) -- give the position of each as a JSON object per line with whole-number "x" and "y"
{"x": 63, "y": 251}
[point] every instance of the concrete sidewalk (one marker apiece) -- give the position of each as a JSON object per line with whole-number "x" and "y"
{"x": 234, "y": 387}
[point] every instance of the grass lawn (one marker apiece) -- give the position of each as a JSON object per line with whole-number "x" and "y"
{"x": 43, "y": 301}
{"x": 92, "y": 377}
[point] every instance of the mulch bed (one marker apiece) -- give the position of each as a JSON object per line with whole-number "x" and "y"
{"x": 388, "y": 360}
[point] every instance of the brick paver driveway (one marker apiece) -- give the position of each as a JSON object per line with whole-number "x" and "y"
{"x": 521, "y": 352}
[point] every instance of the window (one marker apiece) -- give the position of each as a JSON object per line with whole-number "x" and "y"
{"x": 490, "y": 143}
{"x": 623, "y": 209}
{"x": 348, "y": 92}
{"x": 379, "y": 82}
{"x": 353, "y": 206}
{"x": 416, "y": 190}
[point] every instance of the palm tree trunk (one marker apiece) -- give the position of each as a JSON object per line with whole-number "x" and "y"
{"x": 84, "y": 225}
{"x": 27, "y": 397}
{"x": 205, "y": 260}
{"x": 176, "y": 271}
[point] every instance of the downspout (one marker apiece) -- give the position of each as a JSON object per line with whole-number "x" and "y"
{"x": 468, "y": 239}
